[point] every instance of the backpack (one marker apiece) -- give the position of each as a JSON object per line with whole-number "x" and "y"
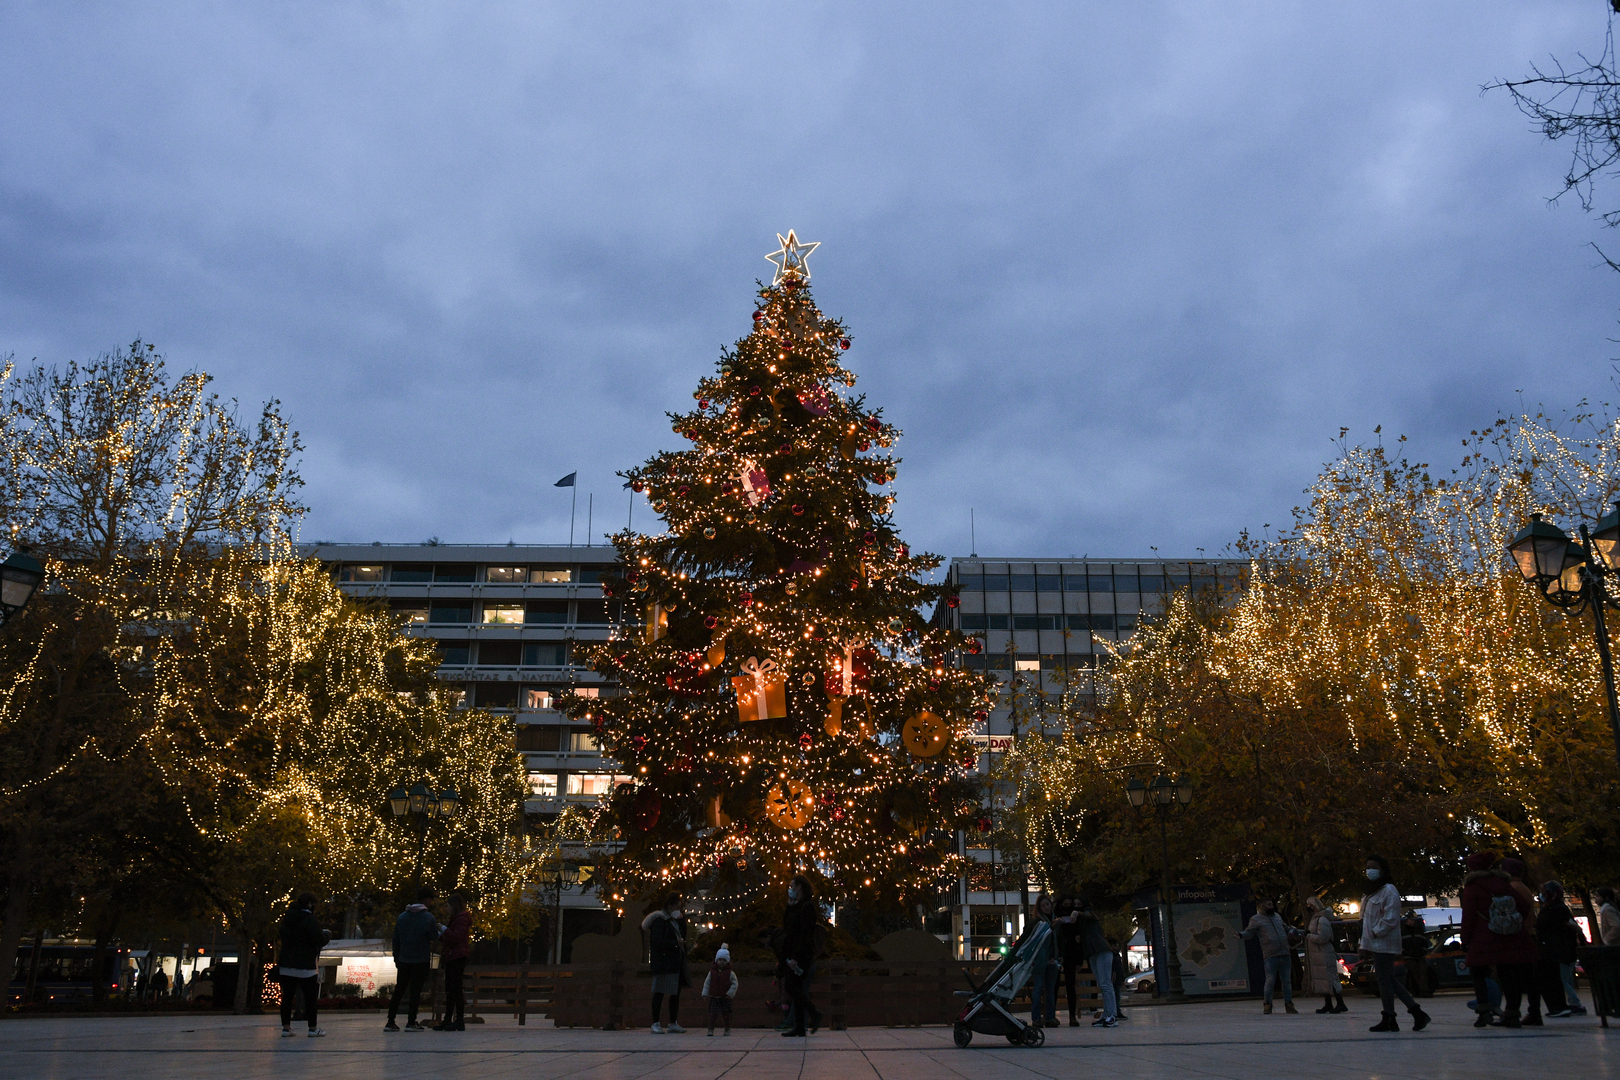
{"x": 1503, "y": 917}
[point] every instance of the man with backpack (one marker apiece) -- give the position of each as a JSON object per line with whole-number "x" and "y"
{"x": 1498, "y": 930}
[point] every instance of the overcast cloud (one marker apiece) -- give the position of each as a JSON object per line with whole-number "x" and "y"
{"x": 1120, "y": 271}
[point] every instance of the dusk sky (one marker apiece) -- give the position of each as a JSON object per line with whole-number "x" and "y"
{"x": 1119, "y": 271}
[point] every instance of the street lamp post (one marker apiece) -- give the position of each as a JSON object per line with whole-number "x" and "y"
{"x": 1570, "y": 576}
{"x": 1167, "y": 796}
{"x": 557, "y": 878}
{"x": 422, "y": 804}
{"x": 20, "y": 575}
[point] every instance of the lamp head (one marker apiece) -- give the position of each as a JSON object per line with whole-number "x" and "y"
{"x": 1607, "y": 534}
{"x": 399, "y": 801}
{"x": 1163, "y": 790}
{"x": 1136, "y": 791}
{"x": 448, "y": 803}
{"x": 1565, "y": 589}
{"x": 20, "y": 575}
{"x": 419, "y": 798}
{"x": 1539, "y": 551}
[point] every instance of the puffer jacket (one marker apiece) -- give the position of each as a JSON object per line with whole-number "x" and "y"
{"x": 414, "y": 932}
{"x": 301, "y": 940}
{"x": 1484, "y": 945}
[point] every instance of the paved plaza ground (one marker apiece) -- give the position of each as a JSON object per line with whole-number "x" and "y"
{"x": 1225, "y": 1039}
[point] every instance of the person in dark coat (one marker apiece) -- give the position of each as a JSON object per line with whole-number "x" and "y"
{"x": 1498, "y": 931}
{"x": 301, "y": 942}
{"x": 666, "y": 931}
{"x": 456, "y": 942}
{"x": 799, "y": 926}
{"x": 415, "y": 931}
{"x": 1558, "y": 935}
{"x": 1068, "y": 950}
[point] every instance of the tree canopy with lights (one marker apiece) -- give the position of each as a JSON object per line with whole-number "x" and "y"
{"x": 786, "y": 705}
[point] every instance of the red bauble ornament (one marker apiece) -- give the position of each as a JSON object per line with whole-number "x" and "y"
{"x": 797, "y": 509}
{"x": 843, "y": 343}
{"x": 703, "y": 403}
{"x": 745, "y": 599}
{"x": 984, "y": 824}
{"x": 865, "y": 446}
{"x": 638, "y": 743}
{"x": 607, "y": 591}
{"x": 711, "y": 622}
{"x": 726, "y": 487}
{"x": 787, "y": 448}
{"x": 838, "y": 813}
{"x": 970, "y": 761}
{"x": 805, "y": 741}
{"x": 981, "y": 716}
{"x": 759, "y": 316}
{"x": 905, "y": 552}
{"x": 753, "y": 391}
{"x": 952, "y": 601}
{"x": 647, "y": 808}
{"x": 973, "y": 647}
{"x": 683, "y": 491}
{"x": 873, "y": 423}
{"x": 933, "y": 685}
{"x": 870, "y": 538}
{"x": 636, "y": 485}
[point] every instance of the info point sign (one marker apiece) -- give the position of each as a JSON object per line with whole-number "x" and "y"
{"x": 1215, "y": 960}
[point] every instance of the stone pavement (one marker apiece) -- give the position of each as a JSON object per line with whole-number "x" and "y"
{"x": 1224, "y": 1039}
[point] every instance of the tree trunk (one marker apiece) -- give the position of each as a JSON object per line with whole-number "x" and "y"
{"x": 20, "y": 880}
{"x": 33, "y": 965}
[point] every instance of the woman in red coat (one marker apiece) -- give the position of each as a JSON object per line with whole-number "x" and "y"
{"x": 457, "y": 942}
{"x": 1498, "y": 930}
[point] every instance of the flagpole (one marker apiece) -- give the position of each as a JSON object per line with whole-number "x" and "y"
{"x": 590, "y": 504}
{"x": 629, "y": 518}
{"x": 573, "y": 504}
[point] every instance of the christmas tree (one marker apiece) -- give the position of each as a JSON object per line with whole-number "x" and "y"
{"x": 786, "y": 707}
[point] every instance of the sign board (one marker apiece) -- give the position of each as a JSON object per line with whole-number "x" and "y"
{"x": 1209, "y": 921}
{"x": 992, "y": 744}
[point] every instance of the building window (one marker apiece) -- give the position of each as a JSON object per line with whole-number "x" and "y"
{"x": 1023, "y": 664}
{"x": 501, "y": 654}
{"x": 454, "y": 654}
{"x": 543, "y": 785}
{"x": 506, "y": 575}
{"x": 546, "y": 612}
{"x": 409, "y": 611}
{"x": 550, "y": 575}
{"x": 534, "y": 737}
{"x": 975, "y": 663}
{"x": 454, "y": 572}
{"x": 503, "y": 613}
{"x": 1152, "y": 581}
{"x": 545, "y": 654}
{"x": 417, "y": 572}
{"x": 1022, "y": 582}
{"x": 974, "y": 622}
{"x": 458, "y": 697}
{"x": 535, "y": 698}
{"x": 360, "y": 573}
{"x": 1125, "y": 624}
{"x": 591, "y": 785}
{"x": 587, "y": 691}
{"x": 584, "y": 742}
{"x": 593, "y": 575}
{"x": 592, "y": 611}
{"x": 995, "y": 582}
{"x": 496, "y": 695}
{"x": 1035, "y": 622}
{"x": 1100, "y": 582}
{"x": 451, "y": 614}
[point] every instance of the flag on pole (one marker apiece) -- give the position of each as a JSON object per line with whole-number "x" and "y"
{"x": 567, "y": 481}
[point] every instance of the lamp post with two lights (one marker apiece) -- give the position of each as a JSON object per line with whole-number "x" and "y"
{"x": 421, "y": 803}
{"x": 1166, "y": 795}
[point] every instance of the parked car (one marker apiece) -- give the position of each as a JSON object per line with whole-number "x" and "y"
{"x": 1140, "y": 983}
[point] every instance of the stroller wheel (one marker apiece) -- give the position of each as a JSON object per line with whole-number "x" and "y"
{"x": 964, "y": 1034}
{"x": 1034, "y": 1037}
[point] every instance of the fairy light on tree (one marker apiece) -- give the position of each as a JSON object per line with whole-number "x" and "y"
{"x": 786, "y": 707}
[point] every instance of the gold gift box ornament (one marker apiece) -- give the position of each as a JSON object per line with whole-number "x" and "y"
{"x": 761, "y": 691}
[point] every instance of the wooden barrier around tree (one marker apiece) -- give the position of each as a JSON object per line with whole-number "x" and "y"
{"x": 618, "y": 995}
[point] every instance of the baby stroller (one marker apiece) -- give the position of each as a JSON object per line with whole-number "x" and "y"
{"x": 986, "y": 1011}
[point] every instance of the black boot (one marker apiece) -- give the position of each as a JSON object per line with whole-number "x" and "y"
{"x": 1386, "y": 1024}
{"x": 1483, "y": 1019}
{"x": 1327, "y": 1005}
{"x": 1338, "y": 1004}
{"x": 1420, "y": 1020}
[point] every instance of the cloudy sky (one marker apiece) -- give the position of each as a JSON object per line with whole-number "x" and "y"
{"x": 1120, "y": 271}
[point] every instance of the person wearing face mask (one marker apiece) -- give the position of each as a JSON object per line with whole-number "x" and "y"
{"x": 1274, "y": 935}
{"x": 666, "y": 928}
{"x": 799, "y": 924}
{"x": 1381, "y": 940}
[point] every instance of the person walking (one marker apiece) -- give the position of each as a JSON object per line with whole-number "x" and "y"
{"x": 1497, "y": 932}
{"x": 666, "y": 932}
{"x": 1274, "y": 935}
{"x": 1044, "y": 972}
{"x": 720, "y": 987}
{"x": 1558, "y": 936}
{"x": 301, "y": 942}
{"x": 1381, "y": 939}
{"x": 1099, "y": 957}
{"x": 1608, "y": 919}
{"x": 414, "y": 933}
{"x": 456, "y": 942}
{"x": 1322, "y": 957}
{"x": 799, "y": 925}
